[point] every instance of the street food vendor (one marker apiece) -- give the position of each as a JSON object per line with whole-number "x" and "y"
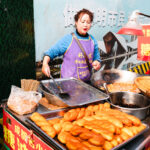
{"x": 74, "y": 62}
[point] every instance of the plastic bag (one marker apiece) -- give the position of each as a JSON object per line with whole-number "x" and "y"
{"x": 23, "y": 102}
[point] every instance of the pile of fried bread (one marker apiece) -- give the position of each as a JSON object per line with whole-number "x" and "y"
{"x": 95, "y": 127}
{"x": 123, "y": 86}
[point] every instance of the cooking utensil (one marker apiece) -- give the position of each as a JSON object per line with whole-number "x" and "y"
{"x": 131, "y": 103}
{"x": 80, "y": 93}
{"x": 105, "y": 86}
{"x": 112, "y": 76}
{"x": 61, "y": 94}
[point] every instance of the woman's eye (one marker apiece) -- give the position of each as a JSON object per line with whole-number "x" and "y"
{"x": 88, "y": 22}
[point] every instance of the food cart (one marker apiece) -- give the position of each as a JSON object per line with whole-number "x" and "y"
{"x": 20, "y": 132}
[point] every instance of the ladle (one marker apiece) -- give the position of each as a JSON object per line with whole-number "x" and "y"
{"x": 61, "y": 94}
{"x": 105, "y": 86}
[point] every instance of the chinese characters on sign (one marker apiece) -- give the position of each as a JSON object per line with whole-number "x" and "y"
{"x": 17, "y": 137}
{"x": 103, "y": 17}
{"x": 144, "y": 44}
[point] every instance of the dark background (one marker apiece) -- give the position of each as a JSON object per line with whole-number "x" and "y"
{"x": 17, "y": 49}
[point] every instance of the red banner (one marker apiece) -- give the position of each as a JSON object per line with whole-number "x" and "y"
{"x": 18, "y": 137}
{"x": 144, "y": 44}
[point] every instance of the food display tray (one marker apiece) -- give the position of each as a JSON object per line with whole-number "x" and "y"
{"x": 80, "y": 93}
{"x": 54, "y": 141}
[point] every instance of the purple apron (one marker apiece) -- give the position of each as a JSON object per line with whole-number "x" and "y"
{"x": 74, "y": 63}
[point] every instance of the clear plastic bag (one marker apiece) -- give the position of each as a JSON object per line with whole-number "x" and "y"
{"x": 23, "y": 102}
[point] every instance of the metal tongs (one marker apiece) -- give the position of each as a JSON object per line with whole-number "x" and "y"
{"x": 62, "y": 94}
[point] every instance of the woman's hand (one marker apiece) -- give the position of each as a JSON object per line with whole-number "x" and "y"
{"x": 46, "y": 70}
{"x": 96, "y": 65}
{"x": 45, "y": 66}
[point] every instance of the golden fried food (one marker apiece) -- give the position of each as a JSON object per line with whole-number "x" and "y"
{"x": 81, "y": 113}
{"x": 101, "y": 106}
{"x": 114, "y": 142}
{"x": 43, "y": 124}
{"x": 102, "y": 123}
{"x": 88, "y": 118}
{"x": 118, "y": 138}
{"x": 79, "y": 122}
{"x": 53, "y": 121}
{"x": 88, "y": 112}
{"x": 107, "y": 145}
{"x": 67, "y": 126}
{"x": 95, "y": 108}
{"x": 96, "y": 127}
{"x": 106, "y": 105}
{"x": 76, "y": 145}
{"x": 90, "y": 107}
{"x": 141, "y": 127}
{"x": 124, "y": 86}
{"x": 134, "y": 119}
{"x": 99, "y": 115}
{"x": 49, "y": 130}
{"x": 124, "y": 136}
{"x": 71, "y": 115}
{"x": 62, "y": 136}
{"x": 127, "y": 131}
{"x": 86, "y": 135}
{"x": 106, "y": 134}
{"x": 39, "y": 123}
{"x": 92, "y": 147}
{"x": 76, "y": 130}
{"x": 96, "y": 140}
{"x": 118, "y": 130}
{"x": 73, "y": 143}
{"x": 36, "y": 117}
{"x": 57, "y": 127}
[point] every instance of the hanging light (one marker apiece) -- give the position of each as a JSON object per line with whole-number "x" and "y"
{"x": 133, "y": 27}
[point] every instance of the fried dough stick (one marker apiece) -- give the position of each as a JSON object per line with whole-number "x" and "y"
{"x": 43, "y": 124}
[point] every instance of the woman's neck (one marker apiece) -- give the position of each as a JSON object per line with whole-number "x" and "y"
{"x": 86, "y": 35}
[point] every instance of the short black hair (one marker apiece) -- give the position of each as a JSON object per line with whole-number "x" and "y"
{"x": 82, "y": 12}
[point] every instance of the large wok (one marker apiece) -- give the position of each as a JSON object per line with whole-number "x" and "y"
{"x": 124, "y": 101}
{"x": 112, "y": 76}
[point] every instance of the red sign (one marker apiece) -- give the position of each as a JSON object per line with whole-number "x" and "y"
{"x": 144, "y": 44}
{"x": 18, "y": 137}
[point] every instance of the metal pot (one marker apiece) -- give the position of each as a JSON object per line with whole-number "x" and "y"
{"x": 131, "y": 103}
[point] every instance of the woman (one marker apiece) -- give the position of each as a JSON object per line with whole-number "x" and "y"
{"x": 74, "y": 63}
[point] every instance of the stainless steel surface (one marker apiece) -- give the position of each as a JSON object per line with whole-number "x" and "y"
{"x": 56, "y": 114}
{"x": 80, "y": 93}
{"x": 123, "y": 100}
{"x": 112, "y": 76}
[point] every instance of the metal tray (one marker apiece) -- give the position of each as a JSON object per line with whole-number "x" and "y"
{"x": 80, "y": 93}
{"x": 56, "y": 114}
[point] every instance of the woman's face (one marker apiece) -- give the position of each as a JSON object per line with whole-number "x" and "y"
{"x": 83, "y": 24}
